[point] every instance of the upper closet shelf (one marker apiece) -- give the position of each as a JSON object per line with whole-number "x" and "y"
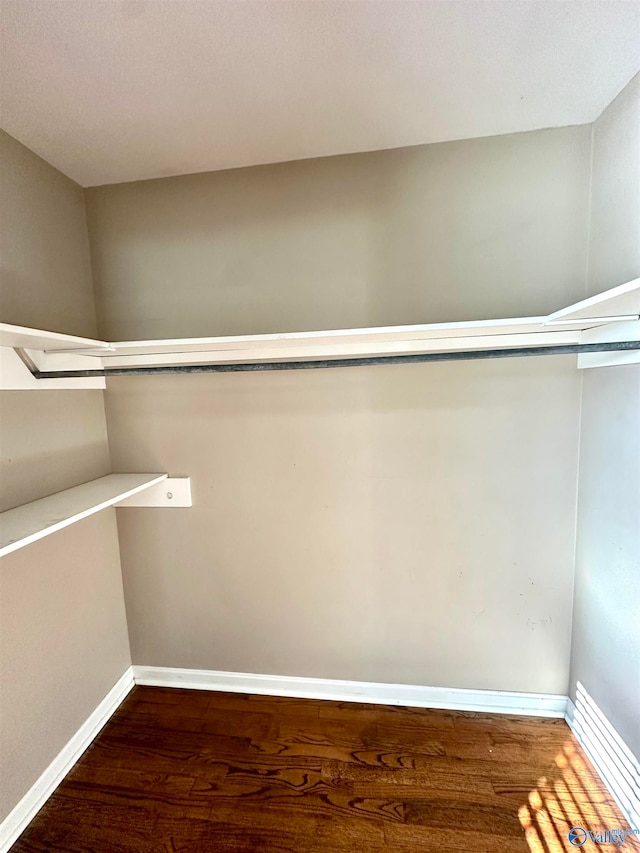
{"x": 22, "y": 348}
{"x": 614, "y": 314}
{"x": 25, "y": 338}
{"x": 621, "y": 303}
{"x": 33, "y": 521}
{"x": 339, "y": 343}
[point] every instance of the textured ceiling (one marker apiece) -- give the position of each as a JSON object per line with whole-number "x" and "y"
{"x": 119, "y": 90}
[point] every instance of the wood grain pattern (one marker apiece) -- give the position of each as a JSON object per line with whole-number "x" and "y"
{"x": 200, "y": 772}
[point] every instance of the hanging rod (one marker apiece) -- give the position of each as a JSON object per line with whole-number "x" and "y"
{"x": 413, "y": 358}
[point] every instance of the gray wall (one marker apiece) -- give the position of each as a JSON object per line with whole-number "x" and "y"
{"x": 407, "y": 524}
{"x": 63, "y": 635}
{"x": 44, "y": 251}
{"x": 50, "y": 440}
{"x": 464, "y": 230}
{"x": 63, "y": 644}
{"x": 605, "y": 653}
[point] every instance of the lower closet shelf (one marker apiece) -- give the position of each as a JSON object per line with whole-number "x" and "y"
{"x": 33, "y": 521}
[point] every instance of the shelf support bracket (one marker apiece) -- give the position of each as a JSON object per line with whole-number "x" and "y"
{"x": 172, "y": 492}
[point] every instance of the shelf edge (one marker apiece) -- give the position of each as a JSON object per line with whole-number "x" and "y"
{"x": 22, "y": 542}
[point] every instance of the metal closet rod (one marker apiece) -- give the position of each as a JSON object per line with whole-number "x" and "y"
{"x": 417, "y": 358}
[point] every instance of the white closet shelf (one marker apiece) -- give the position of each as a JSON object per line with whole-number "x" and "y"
{"x": 340, "y": 343}
{"x": 54, "y": 357}
{"x": 621, "y": 302}
{"x": 28, "y": 523}
{"x": 24, "y": 338}
{"x": 21, "y": 347}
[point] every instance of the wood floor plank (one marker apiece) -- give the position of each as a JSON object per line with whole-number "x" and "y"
{"x": 186, "y": 771}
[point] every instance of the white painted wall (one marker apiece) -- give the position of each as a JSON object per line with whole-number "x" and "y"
{"x": 605, "y": 654}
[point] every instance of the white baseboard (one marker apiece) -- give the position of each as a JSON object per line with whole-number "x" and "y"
{"x": 610, "y": 756}
{"x": 18, "y": 819}
{"x": 452, "y": 699}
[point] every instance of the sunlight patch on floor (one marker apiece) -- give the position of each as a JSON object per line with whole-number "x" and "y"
{"x": 574, "y": 797}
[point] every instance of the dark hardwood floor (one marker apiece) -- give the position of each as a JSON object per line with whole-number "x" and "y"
{"x": 200, "y": 772}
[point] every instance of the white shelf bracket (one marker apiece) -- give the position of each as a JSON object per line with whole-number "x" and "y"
{"x": 172, "y": 492}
